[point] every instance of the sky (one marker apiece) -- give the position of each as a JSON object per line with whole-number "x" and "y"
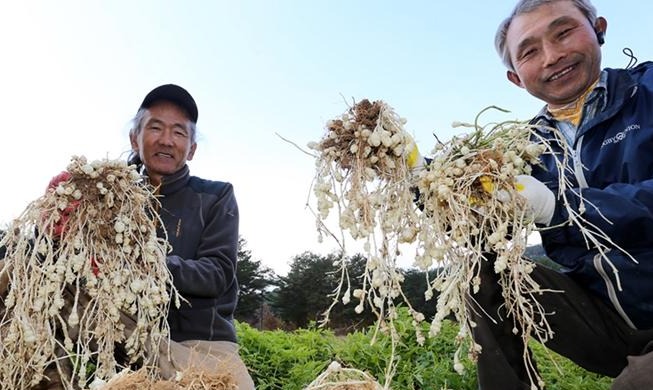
{"x": 73, "y": 74}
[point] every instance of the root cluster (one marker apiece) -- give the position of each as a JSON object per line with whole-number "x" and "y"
{"x": 362, "y": 172}
{"x": 190, "y": 379}
{"x": 70, "y": 297}
{"x": 467, "y": 206}
{"x": 336, "y": 377}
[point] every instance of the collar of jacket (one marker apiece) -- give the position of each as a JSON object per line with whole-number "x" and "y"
{"x": 620, "y": 85}
{"x": 545, "y": 117}
{"x": 173, "y": 183}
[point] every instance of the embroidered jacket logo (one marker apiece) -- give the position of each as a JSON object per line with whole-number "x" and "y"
{"x": 620, "y": 136}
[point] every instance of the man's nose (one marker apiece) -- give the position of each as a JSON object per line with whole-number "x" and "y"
{"x": 552, "y": 53}
{"x": 166, "y": 137}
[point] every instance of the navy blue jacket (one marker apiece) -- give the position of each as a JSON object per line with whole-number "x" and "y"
{"x": 612, "y": 168}
{"x": 201, "y": 220}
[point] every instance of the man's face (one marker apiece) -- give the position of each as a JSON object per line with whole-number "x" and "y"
{"x": 164, "y": 143}
{"x": 555, "y": 52}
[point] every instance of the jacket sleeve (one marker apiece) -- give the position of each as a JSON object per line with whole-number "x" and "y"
{"x": 214, "y": 270}
{"x": 624, "y": 212}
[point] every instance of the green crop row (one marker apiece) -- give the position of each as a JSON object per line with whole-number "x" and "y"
{"x": 291, "y": 360}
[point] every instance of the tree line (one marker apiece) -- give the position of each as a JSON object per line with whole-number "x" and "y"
{"x": 300, "y": 298}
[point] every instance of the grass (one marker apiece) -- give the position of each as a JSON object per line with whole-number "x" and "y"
{"x": 291, "y": 360}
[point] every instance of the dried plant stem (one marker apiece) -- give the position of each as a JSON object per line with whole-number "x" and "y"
{"x": 336, "y": 377}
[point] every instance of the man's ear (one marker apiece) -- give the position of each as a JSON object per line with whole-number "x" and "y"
{"x": 600, "y": 27}
{"x": 191, "y": 152}
{"x": 514, "y": 78}
{"x": 134, "y": 141}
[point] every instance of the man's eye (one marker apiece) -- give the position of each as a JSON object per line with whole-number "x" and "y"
{"x": 564, "y": 33}
{"x": 527, "y": 53}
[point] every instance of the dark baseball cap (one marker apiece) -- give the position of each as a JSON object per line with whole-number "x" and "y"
{"x": 172, "y": 93}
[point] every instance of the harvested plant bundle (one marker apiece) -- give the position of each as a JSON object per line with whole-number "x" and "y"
{"x": 362, "y": 171}
{"x": 336, "y": 377}
{"x": 469, "y": 207}
{"x": 189, "y": 379}
{"x": 104, "y": 282}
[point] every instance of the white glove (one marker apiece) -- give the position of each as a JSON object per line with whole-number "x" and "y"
{"x": 539, "y": 198}
{"x": 414, "y": 160}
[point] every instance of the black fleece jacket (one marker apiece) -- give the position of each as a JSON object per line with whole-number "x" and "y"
{"x": 201, "y": 220}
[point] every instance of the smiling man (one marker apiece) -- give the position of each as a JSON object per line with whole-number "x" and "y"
{"x": 201, "y": 222}
{"x": 601, "y": 314}
{"x": 554, "y": 52}
{"x": 166, "y": 141}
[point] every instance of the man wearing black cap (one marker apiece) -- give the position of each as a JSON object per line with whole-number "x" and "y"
{"x": 201, "y": 221}
{"x": 163, "y": 136}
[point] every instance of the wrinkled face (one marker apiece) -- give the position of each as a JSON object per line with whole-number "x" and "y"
{"x": 555, "y": 52}
{"x": 164, "y": 143}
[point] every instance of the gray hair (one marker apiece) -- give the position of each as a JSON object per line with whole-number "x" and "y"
{"x": 137, "y": 126}
{"x": 525, "y": 6}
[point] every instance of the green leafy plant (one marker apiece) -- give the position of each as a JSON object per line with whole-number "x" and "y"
{"x": 291, "y": 360}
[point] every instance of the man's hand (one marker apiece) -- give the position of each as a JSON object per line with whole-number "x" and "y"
{"x": 58, "y": 228}
{"x": 539, "y": 198}
{"x": 414, "y": 160}
{"x": 58, "y": 179}
{"x": 95, "y": 266}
